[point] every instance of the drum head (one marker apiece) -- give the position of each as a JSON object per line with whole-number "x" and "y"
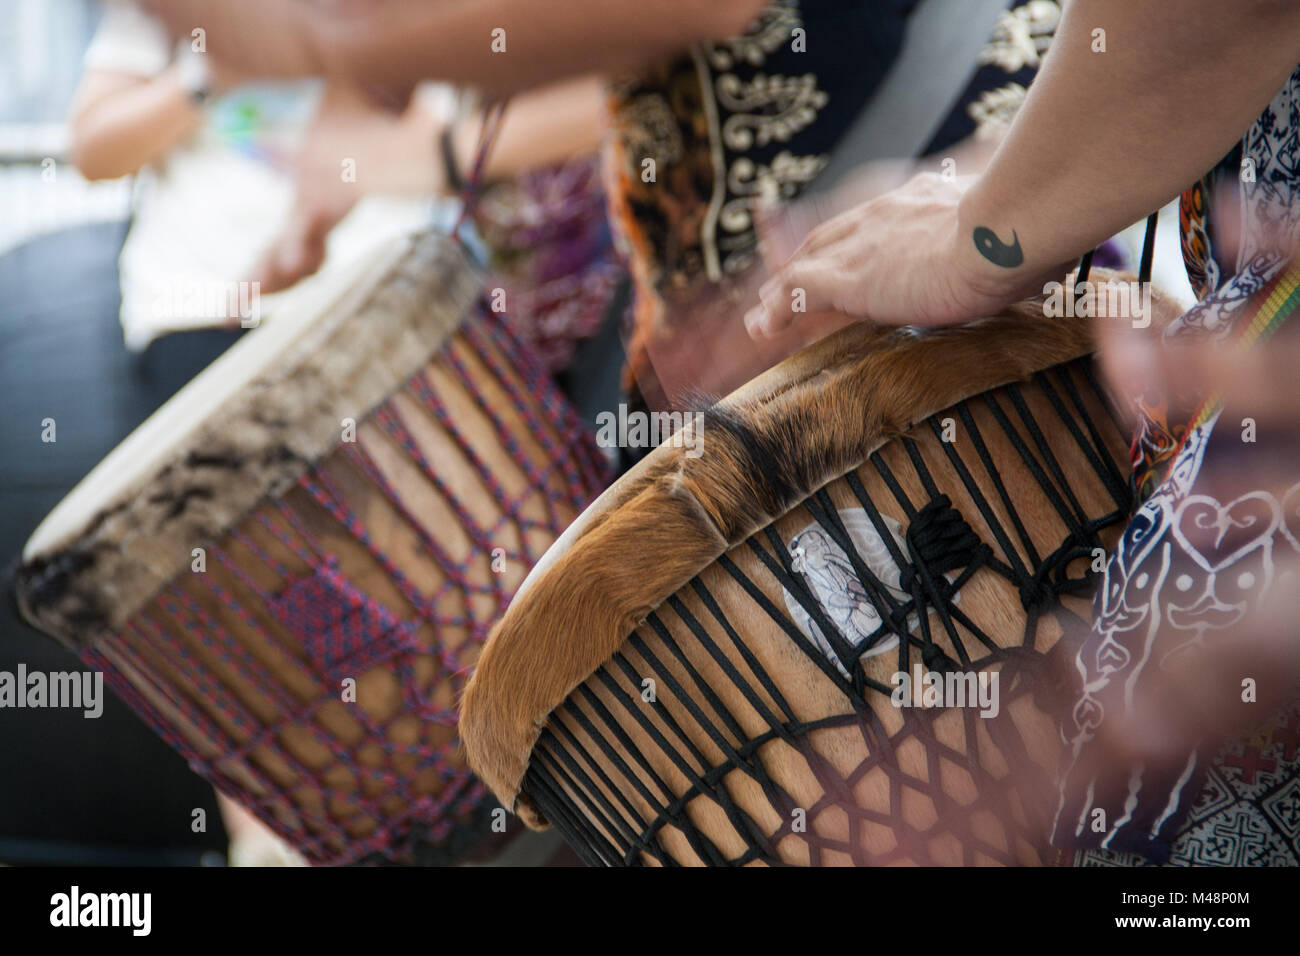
{"x": 768, "y": 447}
{"x": 247, "y": 426}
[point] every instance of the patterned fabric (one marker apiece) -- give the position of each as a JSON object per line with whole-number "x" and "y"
{"x": 1262, "y": 176}
{"x": 1195, "y": 226}
{"x": 1006, "y": 66}
{"x": 1246, "y": 814}
{"x": 552, "y": 253}
{"x": 698, "y": 139}
{"x": 1163, "y": 593}
{"x": 726, "y": 120}
{"x": 1165, "y": 590}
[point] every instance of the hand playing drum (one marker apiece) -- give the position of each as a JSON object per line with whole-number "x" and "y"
{"x": 830, "y": 638}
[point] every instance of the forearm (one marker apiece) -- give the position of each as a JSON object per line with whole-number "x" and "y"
{"x": 120, "y": 125}
{"x": 404, "y": 155}
{"x": 399, "y": 42}
{"x": 1103, "y": 139}
{"x": 393, "y": 154}
{"x": 543, "y": 41}
{"x": 540, "y": 128}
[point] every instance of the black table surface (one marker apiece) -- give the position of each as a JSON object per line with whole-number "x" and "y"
{"x": 77, "y": 790}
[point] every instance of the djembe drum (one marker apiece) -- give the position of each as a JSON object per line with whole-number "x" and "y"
{"x": 288, "y": 569}
{"x": 705, "y": 668}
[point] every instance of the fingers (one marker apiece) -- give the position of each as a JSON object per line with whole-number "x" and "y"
{"x": 805, "y": 285}
{"x": 815, "y": 222}
{"x": 1128, "y": 361}
{"x": 1258, "y": 380}
{"x": 303, "y": 259}
{"x": 782, "y": 229}
{"x": 275, "y": 271}
{"x": 831, "y": 232}
{"x": 879, "y": 260}
{"x": 1202, "y": 697}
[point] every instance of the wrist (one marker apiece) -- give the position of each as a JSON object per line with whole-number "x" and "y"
{"x": 991, "y": 252}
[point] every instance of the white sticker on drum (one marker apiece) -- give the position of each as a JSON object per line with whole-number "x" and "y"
{"x": 830, "y": 576}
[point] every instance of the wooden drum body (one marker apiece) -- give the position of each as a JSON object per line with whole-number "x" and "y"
{"x": 288, "y": 570}
{"x": 703, "y": 670}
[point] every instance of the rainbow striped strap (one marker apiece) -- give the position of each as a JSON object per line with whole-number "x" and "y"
{"x": 1277, "y": 300}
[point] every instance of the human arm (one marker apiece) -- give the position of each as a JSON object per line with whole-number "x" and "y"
{"x": 396, "y": 43}
{"x": 402, "y": 155}
{"x": 1101, "y": 140}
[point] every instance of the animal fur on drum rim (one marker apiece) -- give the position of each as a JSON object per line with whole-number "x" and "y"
{"x": 837, "y": 402}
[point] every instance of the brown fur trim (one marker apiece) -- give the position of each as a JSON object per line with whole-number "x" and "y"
{"x": 231, "y": 454}
{"x": 766, "y": 447}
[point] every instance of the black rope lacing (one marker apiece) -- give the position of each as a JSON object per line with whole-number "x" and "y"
{"x": 938, "y": 541}
{"x": 620, "y": 800}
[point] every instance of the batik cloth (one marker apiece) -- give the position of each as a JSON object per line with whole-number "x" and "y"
{"x": 699, "y": 138}
{"x": 1170, "y": 588}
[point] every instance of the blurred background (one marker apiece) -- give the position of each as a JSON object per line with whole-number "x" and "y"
{"x": 41, "y": 46}
{"x": 104, "y": 791}
{"x": 199, "y": 177}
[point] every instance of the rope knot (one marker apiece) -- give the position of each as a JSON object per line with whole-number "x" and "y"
{"x": 939, "y": 540}
{"x": 1036, "y": 593}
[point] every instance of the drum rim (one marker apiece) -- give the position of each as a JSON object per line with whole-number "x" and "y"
{"x": 529, "y": 666}
{"x": 386, "y": 317}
